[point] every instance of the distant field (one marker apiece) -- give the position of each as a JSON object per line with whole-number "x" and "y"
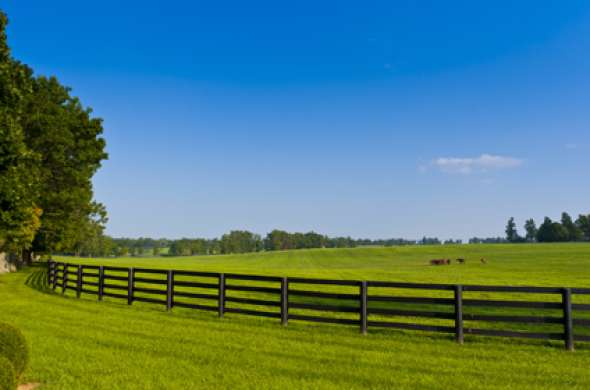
{"x": 522, "y": 264}
{"x": 107, "y": 345}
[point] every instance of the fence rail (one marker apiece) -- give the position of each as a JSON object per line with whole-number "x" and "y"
{"x": 176, "y": 288}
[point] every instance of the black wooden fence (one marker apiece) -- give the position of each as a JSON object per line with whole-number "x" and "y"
{"x": 370, "y": 308}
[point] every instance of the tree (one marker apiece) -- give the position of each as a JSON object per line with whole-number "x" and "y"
{"x": 240, "y": 241}
{"x": 583, "y": 223}
{"x": 511, "y": 232}
{"x": 550, "y": 231}
{"x": 90, "y": 239}
{"x": 51, "y": 147}
{"x": 531, "y": 229}
{"x": 68, "y": 140}
{"x": 156, "y": 251}
{"x": 574, "y": 233}
{"x": 19, "y": 211}
{"x": 278, "y": 240}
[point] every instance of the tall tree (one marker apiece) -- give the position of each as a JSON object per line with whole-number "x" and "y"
{"x": 583, "y": 223}
{"x": 531, "y": 230}
{"x": 511, "y": 232}
{"x": 68, "y": 140}
{"x": 240, "y": 241}
{"x": 19, "y": 212}
{"x": 573, "y": 231}
{"x": 550, "y": 231}
{"x": 51, "y": 147}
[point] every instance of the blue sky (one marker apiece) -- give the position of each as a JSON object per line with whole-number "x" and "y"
{"x": 369, "y": 119}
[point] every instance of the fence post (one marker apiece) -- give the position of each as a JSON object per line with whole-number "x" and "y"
{"x": 54, "y": 276}
{"x": 49, "y": 272}
{"x": 100, "y": 282}
{"x": 131, "y": 273}
{"x": 364, "y": 300}
{"x": 64, "y": 279}
{"x": 221, "y": 299}
{"x": 568, "y": 322}
{"x": 170, "y": 290}
{"x": 284, "y": 301}
{"x": 79, "y": 282}
{"x": 459, "y": 314}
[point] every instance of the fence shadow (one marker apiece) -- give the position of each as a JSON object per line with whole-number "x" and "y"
{"x": 334, "y": 301}
{"x": 37, "y": 279}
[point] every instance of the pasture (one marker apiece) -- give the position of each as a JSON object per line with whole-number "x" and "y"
{"x": 523, "y": 264}
{"x": 88, "y": 344}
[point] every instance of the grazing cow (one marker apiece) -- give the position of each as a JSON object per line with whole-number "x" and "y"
{"x": 461, "y": 261}
{"x": 483, "y": 261}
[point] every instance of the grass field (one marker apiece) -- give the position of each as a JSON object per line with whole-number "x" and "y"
{"x": 536, "y": 264}
{"x": 108, "y": 345}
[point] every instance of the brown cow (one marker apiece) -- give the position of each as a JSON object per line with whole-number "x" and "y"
{"x": 461, "y": 261}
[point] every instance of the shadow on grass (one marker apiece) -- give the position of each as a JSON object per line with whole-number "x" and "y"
{"x": 37, "y": 278}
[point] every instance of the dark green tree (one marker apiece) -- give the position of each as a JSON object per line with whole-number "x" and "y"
{"x": 51, "y": 147}
{"x": 511, "y": 232}
{"x": 19, "y": 210}
{"x": 550, "y": 231}
{"x": 531, "y": 230}
{"x": 573, "y": 231}
{"x": 240, "y": 241}
{"x": 583, "y": 223}
{"x": 278, "y": 240}
{"x": 67, "y": 138}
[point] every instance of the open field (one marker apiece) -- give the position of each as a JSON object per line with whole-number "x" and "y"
{"x": 523, "y": 264}
{"x": 87, "y": 344}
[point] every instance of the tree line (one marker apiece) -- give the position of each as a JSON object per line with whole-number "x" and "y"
{"x": 50, "y": 148}
{"x": 566, "y": 230}
{"x": 236, "y": 241}
{"x": 243, "y": 241}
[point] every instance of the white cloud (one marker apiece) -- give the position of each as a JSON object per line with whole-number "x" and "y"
{"x": 483, "y": 163}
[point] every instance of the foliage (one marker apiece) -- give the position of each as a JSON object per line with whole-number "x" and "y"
{"x": 550, "y": 231}
{"x": 488, "y": 240}
{"x": 430, "y": 241}
{"x": 574, "y": 233}
{"x": 531, "y": 230}
{"x": 583, "y": 222}
{"x": 19, "y": 212}
{"x": 7, "y": 375}
{"x": 62, "y": 131}
{"x": 13, "y": 346}
{"x": 511, "y": 232}
{"x": 240, "y": 241}
{"x": 51, "y": 147}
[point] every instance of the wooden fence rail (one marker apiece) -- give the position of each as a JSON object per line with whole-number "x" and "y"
{"x": 176, "y": 288}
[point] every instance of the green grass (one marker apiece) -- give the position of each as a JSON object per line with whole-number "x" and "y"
{"x": 526, "y": 264}
{"x": 109, "y": 345}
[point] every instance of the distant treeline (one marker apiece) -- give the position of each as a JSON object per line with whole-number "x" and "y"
{"x": 567, "y": 230}
{"x": 242, "y": 241}
{"x": 236, "y": 241}
{"x": 490, "y": 240}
